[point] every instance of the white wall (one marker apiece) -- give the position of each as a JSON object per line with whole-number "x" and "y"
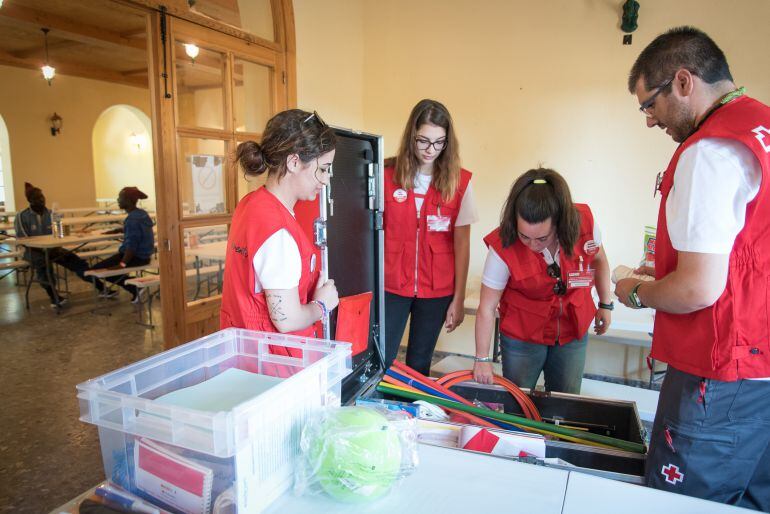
{"x": 61, "y": 166}
{"x": 5, "y": 159}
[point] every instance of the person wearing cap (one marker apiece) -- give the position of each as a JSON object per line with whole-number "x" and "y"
{"x": 543, "y": 262}
{"x": 36, "y": 221}
{"x": 138, "y": 242}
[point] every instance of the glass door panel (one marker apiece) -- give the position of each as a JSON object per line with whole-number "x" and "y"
{"x": 252, "y": 94}
{"x": 199, "y": 86}
{"x": 254, "y": 16}
{"x": 202, "y": 176}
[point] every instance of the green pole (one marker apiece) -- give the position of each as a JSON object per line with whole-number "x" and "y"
{"x": 510, "y": 418}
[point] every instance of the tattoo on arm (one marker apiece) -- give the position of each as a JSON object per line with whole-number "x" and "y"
{"x": 274, "y": 303}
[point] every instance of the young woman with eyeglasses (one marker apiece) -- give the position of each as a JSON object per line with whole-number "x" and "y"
{"x": 543, "y": 261}
{"x": 271, "y": 269}
{"x": 429, "y": 209}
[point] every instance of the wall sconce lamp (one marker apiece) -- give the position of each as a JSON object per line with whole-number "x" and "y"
{"x": 137, "y": 141}
{"x": 49, "y": 72}
{"x": 192, "y": 51}
{"x": 56, "y": 123}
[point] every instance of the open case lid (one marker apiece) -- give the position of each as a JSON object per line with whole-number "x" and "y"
{"x": 353, "y": 252}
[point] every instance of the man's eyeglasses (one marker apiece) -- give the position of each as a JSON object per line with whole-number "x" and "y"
{"x": 645, "y": 107}
{"x": 423, "y": 144}
{"x": 554, "y": 271}
{"x": 315, "y": 115}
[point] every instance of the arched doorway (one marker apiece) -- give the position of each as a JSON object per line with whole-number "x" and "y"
{"x": 6, "y": 173}
{"x": 122, "y": 151}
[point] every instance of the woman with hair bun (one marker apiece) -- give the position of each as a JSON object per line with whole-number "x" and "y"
{"x": 271, "y": 270}
{"x": 543, "y": 261}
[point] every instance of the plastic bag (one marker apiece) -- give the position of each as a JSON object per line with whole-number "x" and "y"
{"x": 356, "y": 454}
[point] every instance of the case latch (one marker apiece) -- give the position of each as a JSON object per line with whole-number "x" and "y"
{"x": 319, "y": 233}
{"x": 372, "y": 186}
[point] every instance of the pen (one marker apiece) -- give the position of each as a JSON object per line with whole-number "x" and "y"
{"x": 124, "y": 501}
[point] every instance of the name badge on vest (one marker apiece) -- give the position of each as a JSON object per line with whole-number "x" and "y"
{"x": 582, "y": 278}
{"x": 439, "y": 223}
{"x": 399, "y": 195}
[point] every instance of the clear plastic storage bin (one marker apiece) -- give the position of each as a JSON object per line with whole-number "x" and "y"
{"x": 188, "y": 459}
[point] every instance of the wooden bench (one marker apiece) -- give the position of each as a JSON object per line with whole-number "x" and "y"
{"x": 16, "y": 266}
{"x": 117, "y": 272}
{"x": 92, "y": 254}
{"x": 204, "y": 272}
{"x": 15, "y": 254}
{"x": 97, "y": 245}
{"x": 143, "y": 287}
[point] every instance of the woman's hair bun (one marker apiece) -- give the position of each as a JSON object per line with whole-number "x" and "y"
{"x": 252, "y": 158}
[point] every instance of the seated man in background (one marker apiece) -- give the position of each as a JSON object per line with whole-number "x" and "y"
{"x": 138, "y": 242}
{"x": 36, "y": 221}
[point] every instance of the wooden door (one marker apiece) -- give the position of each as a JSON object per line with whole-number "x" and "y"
{"x": 204, "y": 107}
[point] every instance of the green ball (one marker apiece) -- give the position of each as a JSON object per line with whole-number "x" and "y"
{"x": 358, "y": 454}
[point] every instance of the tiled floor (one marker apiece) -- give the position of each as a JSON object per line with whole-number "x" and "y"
{"x": 47, "y": 455}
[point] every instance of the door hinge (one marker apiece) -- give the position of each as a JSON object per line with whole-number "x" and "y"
{"x": 378, "y": 220}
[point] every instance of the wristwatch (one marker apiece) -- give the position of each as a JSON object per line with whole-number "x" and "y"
{"x": 633, "y": 298}
{"x": 482, "y": 359}
{"x": 607, "y": 306}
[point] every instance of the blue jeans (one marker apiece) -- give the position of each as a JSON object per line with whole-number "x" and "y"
{"x": 562, "y": 364}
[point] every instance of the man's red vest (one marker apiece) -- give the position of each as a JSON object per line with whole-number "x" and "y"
{"x": 258, "y": 216}
{"x": 418, "y": 262}
{"x": 729, "y": 340}
{"x": 529, "y": 309}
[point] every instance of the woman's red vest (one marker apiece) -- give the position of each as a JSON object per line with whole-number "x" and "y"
{"x": 419, "y": 262}
{"x": 529, "y": 309}
{"x": 258, "y": 216}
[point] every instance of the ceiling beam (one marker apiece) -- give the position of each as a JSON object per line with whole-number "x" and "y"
{"x": 135, "y": 33}
{"x": 75, "y": 70}
{"x": 68, "y": 29}
{"x": 135, "y": 71}
{"x": 39, "y": 51}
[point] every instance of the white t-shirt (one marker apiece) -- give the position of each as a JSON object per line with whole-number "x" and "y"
{"x": 468, "y": 213}
{"x": 277, "y": 263}
{"x": 706, "y": 209}
{"x": 496, "y": 272}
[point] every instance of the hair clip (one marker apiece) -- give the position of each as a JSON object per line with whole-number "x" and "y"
{"x": 539, "y": 181}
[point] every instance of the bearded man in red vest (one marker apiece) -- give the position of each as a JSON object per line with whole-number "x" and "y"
{"x": 711, "y": 436}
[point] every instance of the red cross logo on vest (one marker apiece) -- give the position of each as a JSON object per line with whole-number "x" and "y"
{"x": 762, "y": 136}
{"x": 671, "y": 474}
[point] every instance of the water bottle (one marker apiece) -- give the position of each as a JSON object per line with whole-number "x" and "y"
{"x": 56, "y": 222}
